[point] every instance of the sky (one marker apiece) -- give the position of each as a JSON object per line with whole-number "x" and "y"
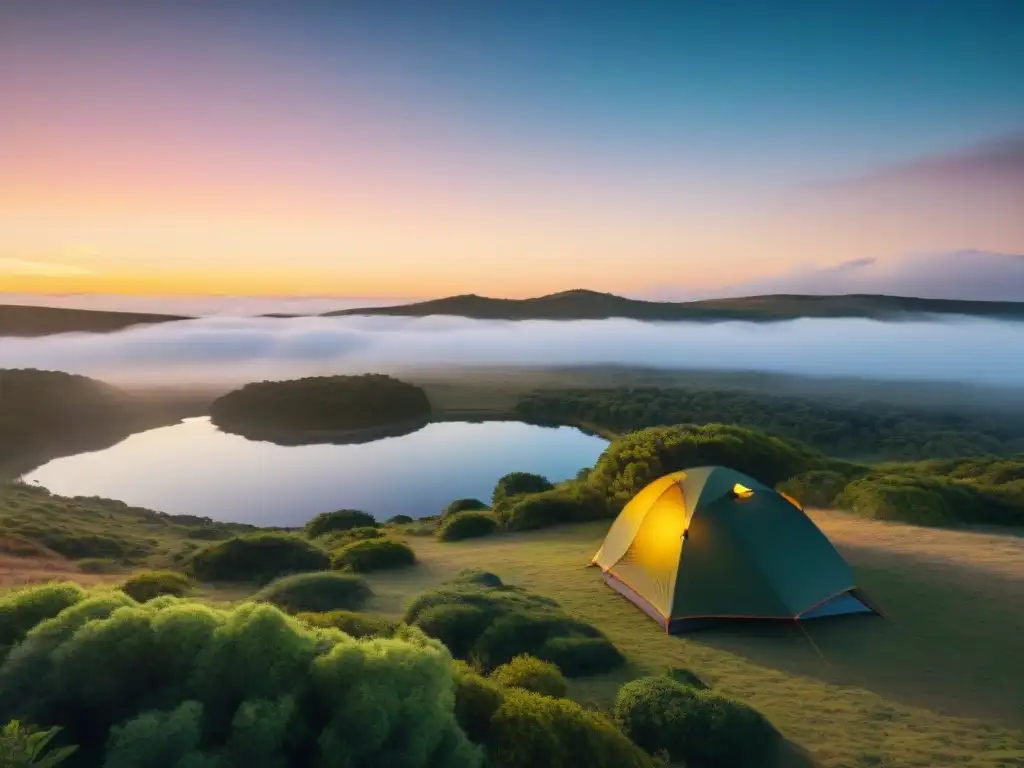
{"x": 509, "y": 149}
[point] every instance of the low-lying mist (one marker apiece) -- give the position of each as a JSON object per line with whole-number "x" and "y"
{"x": 220, "y": 351}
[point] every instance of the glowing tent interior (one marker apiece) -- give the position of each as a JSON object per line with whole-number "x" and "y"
{"x": 710, "y": 543}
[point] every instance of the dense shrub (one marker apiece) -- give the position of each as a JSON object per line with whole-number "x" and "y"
{"x": 887, "y": 494}
{"x": 22, "y": 746}
{"x": 532, "y": 674}
{"x": 339, "y": 520}
{"x": 579, "y": 656}
{"x": 476, "y": 701}
{"x": 316, "y": 592}
{"x": 696, "y": 726}
{"x": 399, "y": 520}
{"x": 530, "y": 730}
{"x": 817, "y": 488}
{"x": 374, "y": 555}
{"x": 492, "y": 625}
{"x": 258, "y": 557}
{"x": 351, "y": 623}
{"x": 633, "y": 461}
{"x": 480, "y": 578}
{"x": 466, "y": 525}
{"x": 522, "y": 729}
{"x": 572, "y": 504}
{"x": 149, "y": 584}
{"x": 516, "y": 484}
{"x": 23, "y": 609}
{"x": 464, "y": 505}
{"x": 177, "y": 683}
{"x": 835, "y": 425}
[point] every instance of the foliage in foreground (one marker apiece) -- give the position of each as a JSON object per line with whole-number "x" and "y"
{"x": 177, "y": 683}
{"x": 491, "y": 625}
{"x": 316, "y": 592}
{"x": 522, "y": 729}
{"x": 149, "y": 584}
{"x": 258, "y": 557}
{"x": 532, "y": 674}
{"x": 466, "y": 525}
{"x": 374, "y": 555}
{"x": 700, "y": 727}
{"x": 25, "y": 747}
{"x": 351, "y": 623}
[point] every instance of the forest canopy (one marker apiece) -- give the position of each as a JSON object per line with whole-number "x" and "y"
{"x": 320, "y": 404}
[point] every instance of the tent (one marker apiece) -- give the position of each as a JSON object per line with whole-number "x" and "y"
{"x": 710, "y": 543}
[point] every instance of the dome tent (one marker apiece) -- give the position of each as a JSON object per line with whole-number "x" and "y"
{"x": 710, "y": 543}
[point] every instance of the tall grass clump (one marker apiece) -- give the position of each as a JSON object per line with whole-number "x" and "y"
{"x": 150, "y": 584}
{"x": 374, "y": 555}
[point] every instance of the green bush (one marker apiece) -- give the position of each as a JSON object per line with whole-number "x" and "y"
{"x": 457, "y": 626}
{"x": 24, "y": 608}
{"x": 316, "y": 592}
{"x": 476, "y": 701}
{"x": 516, "y": 484}
{"x": 340, "y": 520}
{"x": 580, "y": 656}
{"x": 25, "y": 747}
{"x": 817, "y": 488}
{"x": 399, "y": 520}
{"x": 374, "y": 555}
{"x": 177, "y": 683}
{"x": 696, "y": 726}
{"x": 351, "y": 623}
{"x": 633, "y": 461}
{"x": 530, "y": 730}
{"x": 258, "y": 557}
{"x": 480, "y": 578}
{"x": 466, "y": 525}
{"x": 522, "y": 729}
{"x": 561, "y": 505}
{"x": 492, "y": 625}
{"x": 464, "y": 505}
{"x": 532, "y": 674}
{"x": 149, "y": 584}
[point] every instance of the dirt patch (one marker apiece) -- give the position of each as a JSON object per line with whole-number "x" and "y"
{"x": 16, "y": 571}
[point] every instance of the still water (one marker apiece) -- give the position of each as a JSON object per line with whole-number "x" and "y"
{"x": 194, "y": 468}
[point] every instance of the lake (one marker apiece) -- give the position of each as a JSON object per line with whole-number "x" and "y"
{"x": 194, "y": 468}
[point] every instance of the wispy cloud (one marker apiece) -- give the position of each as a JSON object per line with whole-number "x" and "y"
{"x": 997, "y": 161}
{"x": 41, "y": 268}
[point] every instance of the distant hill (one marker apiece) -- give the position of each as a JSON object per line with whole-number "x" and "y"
{"x": 592, "y": 305}
{"x": 18, "y": 320}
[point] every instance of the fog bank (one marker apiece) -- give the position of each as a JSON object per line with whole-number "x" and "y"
{"x": 221, "y": 350}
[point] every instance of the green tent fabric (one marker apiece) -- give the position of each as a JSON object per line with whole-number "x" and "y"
{"x": 711, "y": 543}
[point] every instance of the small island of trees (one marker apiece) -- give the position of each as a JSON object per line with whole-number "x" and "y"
{"x": 323, "y": 409}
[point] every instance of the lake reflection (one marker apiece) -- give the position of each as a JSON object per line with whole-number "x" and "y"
{"x": 194, "y": 468}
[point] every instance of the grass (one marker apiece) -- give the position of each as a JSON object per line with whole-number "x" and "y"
{"x": 78, "y": 528}
{"x": 934, "y": 683}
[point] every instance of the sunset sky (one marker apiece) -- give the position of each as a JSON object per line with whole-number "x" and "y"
{"x": 503, "y": 148}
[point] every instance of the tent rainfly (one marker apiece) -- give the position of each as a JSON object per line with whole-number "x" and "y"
{"x": 710, "y": 543}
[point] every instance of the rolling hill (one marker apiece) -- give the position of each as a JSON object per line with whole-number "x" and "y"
{"x": 19, "y": 320}
{"x": 592, "y": 305}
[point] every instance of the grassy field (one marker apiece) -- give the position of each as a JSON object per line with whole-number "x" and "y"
{"x": 934, "y": 683}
